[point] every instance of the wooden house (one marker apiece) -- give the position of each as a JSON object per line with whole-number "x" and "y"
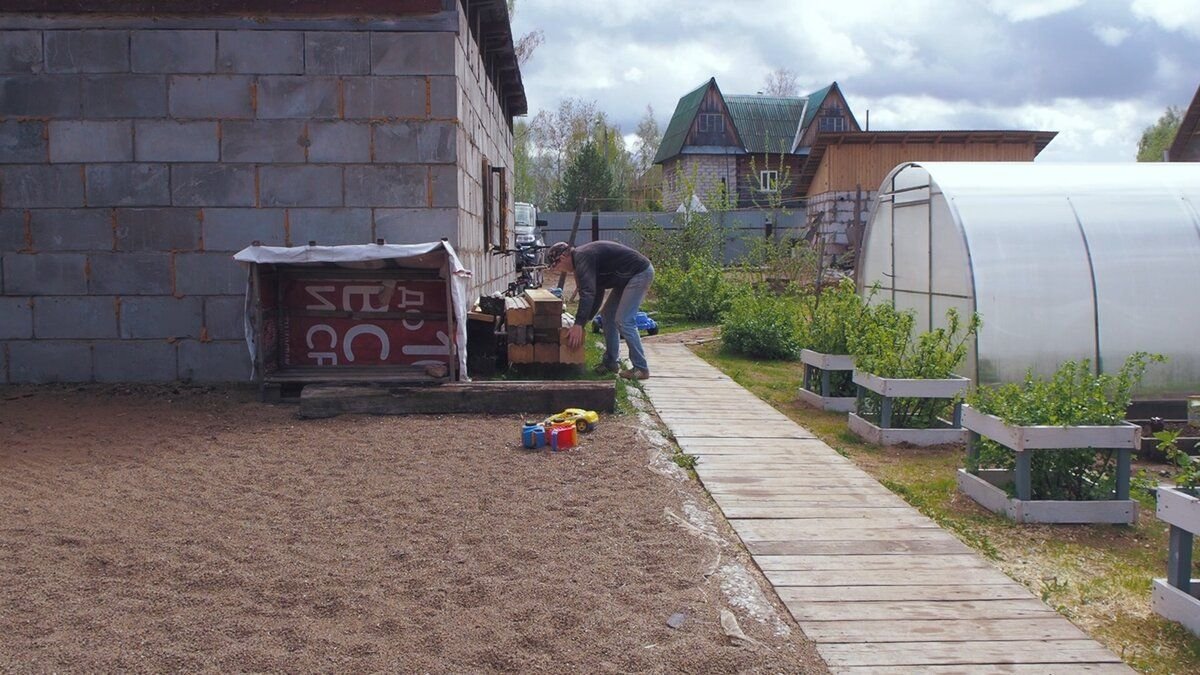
{"x": 744, "y": 150}
{"x": 807, "y": 152}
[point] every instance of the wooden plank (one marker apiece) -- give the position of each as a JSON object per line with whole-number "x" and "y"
{"x": 518, "y": 312}
{"x": 907, "y": 630}
{"x": 967, "y": 652}
{"x": 813, "y": 512}
{"x": 545, "y": 352}
{"x": 543, "y": 301}
{"x": 725, "y": 484}
{"x": 991, "y": 669}
{"x": 882, "y": 545}
{"x": 913, "y": 577}
{"x": 741, "y": 490}
{"x": 951, "y": 562}
{"x": 920, "y": 610}
{"x": 520, "y": 353}
{"x": 800, "y": 596}
{"x": 824, "y": 499}
{"x": 833, "y": 529}
{"x": 567, "y": 354}
{"x": 540, "y": 397}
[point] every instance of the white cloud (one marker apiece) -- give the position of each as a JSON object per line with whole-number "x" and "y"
{"x": 1096, "y": 72}
{"x": 1173, "y": 15}
{"x": 1027, "y": 10}
{"x": 1110, "y": 35}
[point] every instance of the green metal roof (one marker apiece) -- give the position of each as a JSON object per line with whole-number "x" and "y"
{"x": 681, "y": 121}
{"x": 766, "y": 123}
{"x": 815, "y": 100}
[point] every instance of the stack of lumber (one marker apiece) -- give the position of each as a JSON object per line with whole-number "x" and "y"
{"x": 535, "y": 329}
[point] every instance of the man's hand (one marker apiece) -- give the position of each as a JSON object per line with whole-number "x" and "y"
{"x": 575, "y": 336}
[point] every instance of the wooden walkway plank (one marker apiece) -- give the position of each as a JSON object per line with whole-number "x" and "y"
{"x": 916, "y": 610}
{"x": 915, "y": 577}
{"x": 879, "y": 587}
{"x": 802, "y": 596}
{"x": 945, "y": 561}
{"x": 977, "y": 652}
{"x": 1046, "y": 627}
{"x": 993, "y": 669}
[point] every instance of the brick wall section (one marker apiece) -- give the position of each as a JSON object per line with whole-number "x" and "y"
{"x": 704, "y": 171}
{"x": 836, "y": 213}
{"x": 134, "y": 162}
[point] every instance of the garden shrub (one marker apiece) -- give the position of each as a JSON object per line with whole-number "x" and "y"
{"x": 764, "y": 326}
{"x": 884, "y": 346}
{"x": 833, "y": 315}
{"x": 1074, "y": 395}
{"x": 698, "y": 292}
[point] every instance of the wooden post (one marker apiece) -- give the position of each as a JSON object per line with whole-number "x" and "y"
{"x": 956, "y": 420}
{"x": 1023, "y": 475}
{"x": 826, "y": 385}
{"x": 860, "y": 396}
{"x": 972, "y": 452}
{"x": 1179, "y": 559}
{"x": 1123, "y": 473}
{"x": 885, "y": 413}
{"x": 808, "y": 377}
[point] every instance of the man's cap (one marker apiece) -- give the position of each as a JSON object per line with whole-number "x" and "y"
{"x": 555, "y": 252}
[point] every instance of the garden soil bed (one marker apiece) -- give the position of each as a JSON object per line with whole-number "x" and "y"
{"x": 156, "y": 529}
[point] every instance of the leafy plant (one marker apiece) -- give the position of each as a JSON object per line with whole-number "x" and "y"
{"x": 884, "y": 346}
{"x": 698, "y": 292}
{"x": 834, "y": 315}
{"x": 1188, "y": 478}
{"x": 1073, "y": 396}
{"x": 763, "y": 326}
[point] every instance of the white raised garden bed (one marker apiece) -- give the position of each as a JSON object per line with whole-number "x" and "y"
{"x": 1178, "y": 596}
{"x": 986, "y": 486}
{"x": 816, "y": 390}
{"x": 890, "y": 388}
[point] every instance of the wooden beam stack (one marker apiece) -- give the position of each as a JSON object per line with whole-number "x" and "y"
{"x": 536, "y": 333}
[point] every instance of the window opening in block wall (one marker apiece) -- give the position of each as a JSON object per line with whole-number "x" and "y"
{"x": 500, "y": 204}
{"x": 485, "y": 186}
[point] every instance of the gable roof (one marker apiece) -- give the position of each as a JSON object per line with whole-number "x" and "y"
{"x": 1188, "y": 128}
{"x": 681, "y": 121}
{"x": 766, "y": 123}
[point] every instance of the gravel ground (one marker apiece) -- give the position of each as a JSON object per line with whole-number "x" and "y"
{"x": 160, "y": 529}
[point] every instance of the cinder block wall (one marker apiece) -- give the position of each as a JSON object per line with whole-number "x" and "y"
{"x": 135, "y": 160}
{"x": 706, "y": 171}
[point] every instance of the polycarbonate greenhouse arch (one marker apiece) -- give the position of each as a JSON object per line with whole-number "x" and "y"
{"x": 1061, "y": 261}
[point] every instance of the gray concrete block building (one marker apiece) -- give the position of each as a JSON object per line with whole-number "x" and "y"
{"x": 139, "y": 149}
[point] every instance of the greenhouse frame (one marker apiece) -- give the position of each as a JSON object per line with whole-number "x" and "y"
{"x": 1060, "y": 261}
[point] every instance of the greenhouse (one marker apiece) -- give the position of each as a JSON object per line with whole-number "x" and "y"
{"x": 1061, "y": 261}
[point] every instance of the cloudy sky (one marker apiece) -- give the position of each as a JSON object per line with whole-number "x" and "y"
{"x": 1096, "y": 71}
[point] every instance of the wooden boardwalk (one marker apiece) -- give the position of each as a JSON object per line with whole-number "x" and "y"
{"x": 879, "y": 587}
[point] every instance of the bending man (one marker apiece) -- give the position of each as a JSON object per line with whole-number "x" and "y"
{"x": 601, "y": 266}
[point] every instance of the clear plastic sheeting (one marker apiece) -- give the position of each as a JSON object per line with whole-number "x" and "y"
{"x": 1061, "y": 261}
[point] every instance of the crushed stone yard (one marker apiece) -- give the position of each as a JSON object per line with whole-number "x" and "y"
{"x": 159, "y": 528}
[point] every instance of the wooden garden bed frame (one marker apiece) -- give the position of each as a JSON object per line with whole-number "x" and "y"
{"x": 1175, "y": 597}
{"x": 891, "y": 388}
{"x": 986, "y": 486}
{"x": 818, "y": 367}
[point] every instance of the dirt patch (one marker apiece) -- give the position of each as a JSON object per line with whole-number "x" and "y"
{"x": 156, "y": 529}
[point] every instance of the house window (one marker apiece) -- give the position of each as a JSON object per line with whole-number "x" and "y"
{"x": 768, "y": 181}
{"x": 500, "y": 204}
{"x": 711, "y": 122}
{"x": 831, "y": 123}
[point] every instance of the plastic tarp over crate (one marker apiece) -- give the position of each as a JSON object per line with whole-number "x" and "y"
{"x": 377, "y": 312}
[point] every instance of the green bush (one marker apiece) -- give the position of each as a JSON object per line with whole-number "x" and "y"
{"x": 697, "y": 239}
{"x": 764, "y": 326}
{"x": 835, "y": 315}
{"x": 698, "y": 292}
{"x": 884, "y": 346}
{"x": 1074, "y": 395}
